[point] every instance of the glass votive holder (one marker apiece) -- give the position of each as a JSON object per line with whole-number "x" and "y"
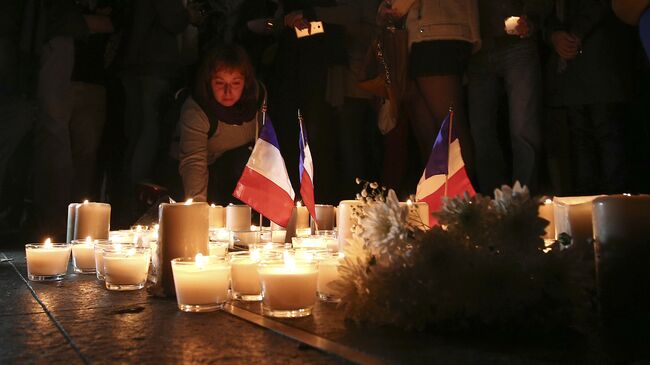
{"x": 288, "y": 287}
{"x": 218, "y": 248}
{"x": 314, "y": 242}
{"x": 278, "y": 235}
{"x": 47, "y": 261}
{"x": 83, "y": 256}
{"x": 126, "y": 268}
{"x": 303, "y": 232}
{"x": 219, "y": 234}
{"x": 244, "y": 238}
{"x": 328, "y": 272}
{"x": 98, "y": 249}
{"x": 245, "y": 281}
{"x": 266, "y": 248}
{"x": 201, "y": 283}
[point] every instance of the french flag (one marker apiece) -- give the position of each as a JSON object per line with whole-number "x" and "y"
{"x": 445, "y": 173}
{"x": 264, "y": 185}
{"x": 306, "y": 168}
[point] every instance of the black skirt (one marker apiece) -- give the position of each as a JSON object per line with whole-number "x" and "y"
{"x": 438, "y": 58}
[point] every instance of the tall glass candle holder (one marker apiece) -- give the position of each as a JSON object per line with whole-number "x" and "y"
{"x": 126, "y": 268}
{"x": 288, "y": 287}
{"x": 83, "y": 256}
{"x": 201, "y": 283}
{"x": 47, "y": 261}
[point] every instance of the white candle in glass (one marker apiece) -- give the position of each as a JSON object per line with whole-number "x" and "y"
{"x": 83, "y": 256}
{"x": 99, "y": 246}
{"x": 217, "y": 216}
{"x": 245, "y": 278}
{"x": 92, "y": 219}
{"x": 126, "y": 269}
{"x": 573, "y": 216}
{"x": 328, "y": 272}
{"x": 289, "y": 287}
{"x": 302, "y": 217}
{"x": 309, "y": 242}
{"x": 47, "y": 261}
{"x": 201, "y": 283}
{"x": 238, "y": 217}
{"x": 546, "y": 211}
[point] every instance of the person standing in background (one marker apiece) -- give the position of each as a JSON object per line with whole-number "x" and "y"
{"x": 508, "y": 61}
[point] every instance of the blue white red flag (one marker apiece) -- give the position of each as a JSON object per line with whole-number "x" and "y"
{"x": 445, "y": 173}
{"x": 264, "y": 185}
{"x": 306, "y": 167}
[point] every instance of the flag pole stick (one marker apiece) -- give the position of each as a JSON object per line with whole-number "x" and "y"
{"x": 451, "y": 121}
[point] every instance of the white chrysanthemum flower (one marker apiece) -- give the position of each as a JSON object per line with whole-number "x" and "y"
{"x": 385, "y": 224}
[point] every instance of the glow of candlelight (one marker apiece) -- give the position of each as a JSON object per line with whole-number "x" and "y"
{"x": 48, "y": 243}
{"x": 89, "y": 240}
{"x": 189, "y": 201}
{"x": 200, "y": 260}
{"x": 86, "y": 201}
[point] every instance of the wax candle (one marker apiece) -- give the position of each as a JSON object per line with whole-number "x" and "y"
{"x": 573, "y": 216}
{"x": 238, "y": 217}
{"x": 183, "y": 232}
{"x": 546, "y": 212}
{"x": 245, "y": 279}
{"x": 98, "y": 247}
{"x": 83, "y": 256}
{"x": 345, "y": 221}
{"x": 126, "y": 268}
{"x": 72, "y": 212}
{"x": 302, "y": 217}
{"x": 92, "y": 219}
{"x": 201, "y": 283}
{"x": 325, "y": 217}
{"x": 511, "y": 24}
{"x": 328, "y": 272}
{"x": 218, "y": 248}
{"x": 288, "y": 287}
{"x": 309, "y": 242}
{"x": 217, "y": 216}
{"x": 47, "y": 261}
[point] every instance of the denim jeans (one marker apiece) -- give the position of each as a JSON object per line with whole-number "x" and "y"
{"x": 515, "y": 70}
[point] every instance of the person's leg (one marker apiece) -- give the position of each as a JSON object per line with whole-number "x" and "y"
{"x": 523, "y": 83}
{"x": 86, "y": 128}
{"x": 609, "y": 138}
{"x": 484, "y": 91}
{"x": 584, "y": 159}
{"x": 52, "y": 155}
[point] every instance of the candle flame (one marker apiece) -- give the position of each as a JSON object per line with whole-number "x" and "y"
{"x": 130, "y": 252}
{"x": 189, "y": 201}
{"x": 627, "y": 194}
{"x": 255, "y": 254}
{"x": 200, "y": 260}
{"x": 289, "y": 260}
{"x": 254, "y": 228}
{"x": 48, "y": 243}
{"x": 138, "y": 228}
{"x": 341, "y": 255}
{"x": 89, "y": 240}
{"x": 86, "y": 201}
{"x": 299, "y": 204}
{"x": 213, "y": 205}
{"x": 548, "y": 201}
{"x": 409, "y": 202}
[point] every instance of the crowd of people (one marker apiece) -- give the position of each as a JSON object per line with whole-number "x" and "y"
{"x": 104, "y": 99}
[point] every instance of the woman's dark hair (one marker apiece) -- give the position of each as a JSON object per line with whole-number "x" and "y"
{"x": 226, "y": 57}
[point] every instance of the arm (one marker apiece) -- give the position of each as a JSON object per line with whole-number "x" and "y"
{"x": 172, "y": 15}
{"x": 193, "y": 151}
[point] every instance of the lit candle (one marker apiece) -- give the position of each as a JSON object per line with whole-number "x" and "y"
{"x": 309, "y": 242}
{"x": 47, "y": 261}
{"x": 328, "y": 272}
{"x": 289, "y": 287}
{"x": 546, "y": 212}
{"x": 511, "y": 25}
{"x": 201, "y": 283}
{"x": 278, "y": 233}
{"x": 83, "y": 256}
{"x": 302, "y": 217}
{"x": 99, "y": 246}
{"x": 218, "y": 248}
{"x": 217, "y": 216}
{"x": 238, "y": 217}
{"x": 345, "y": 221}
{"x": 126, "y": 269}
{"x": 183, "y": 232}
{"x": 573, "y": 216}
{"x": 325, "y": 216}
{"x": 243, "y": 239}
{"x": 92, "y": 219}
{"x": 245, "y": 279}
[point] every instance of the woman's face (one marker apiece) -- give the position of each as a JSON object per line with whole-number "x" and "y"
{"x": 227, "y": 86}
